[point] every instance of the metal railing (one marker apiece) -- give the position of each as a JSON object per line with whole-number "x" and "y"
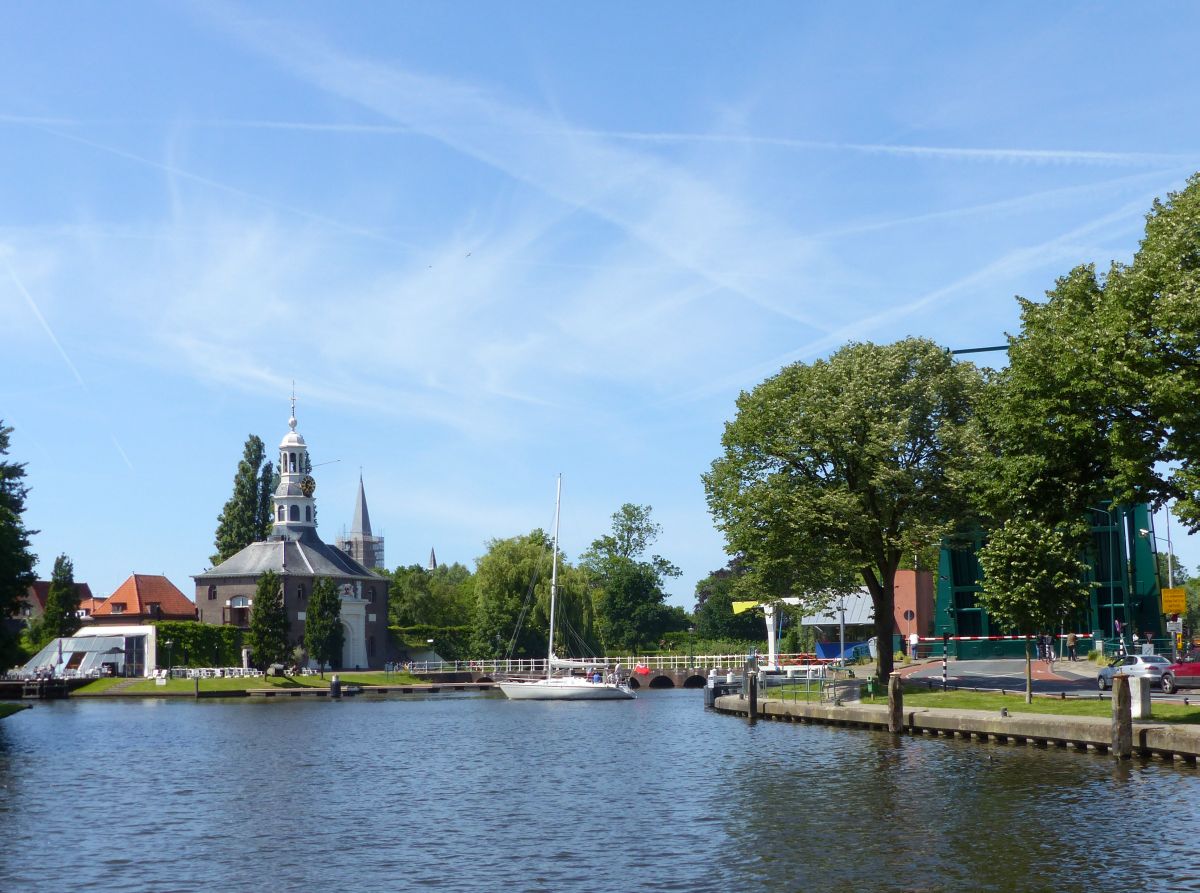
{"x": 628, "y": 662}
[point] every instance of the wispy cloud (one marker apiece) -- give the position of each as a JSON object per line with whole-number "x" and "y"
{"x": 33, "y": 307}
{"x": 990, "y": 154}
{"x": 683, "y": 218}
{"x": 1065, "y": 248}
{"x": 1006, "y": 155}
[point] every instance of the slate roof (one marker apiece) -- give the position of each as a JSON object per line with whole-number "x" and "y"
{"x": 306, "y": 556}
{"x": 139, "y": 591}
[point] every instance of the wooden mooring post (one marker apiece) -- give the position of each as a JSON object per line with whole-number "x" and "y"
{"x": 895, "y": 705}
{"x": 1122, "y": 718}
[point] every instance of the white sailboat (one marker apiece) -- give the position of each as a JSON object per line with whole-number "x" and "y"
{"x": 564, "y": 686}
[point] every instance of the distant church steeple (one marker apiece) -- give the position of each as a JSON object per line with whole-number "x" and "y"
{"x": 362, "y": 544}
{"x": 362, "y": 519}
{"x": 432, "y": 566}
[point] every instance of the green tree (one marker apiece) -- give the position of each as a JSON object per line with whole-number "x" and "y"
{"x": 444, "y": 596}
{"x": 268, "y": 633}
{"x": 715, "y": 595}
{"x": 264, "y": 515}
{"x": 17, "y": 561}
{"x": 627, "y": 586}
{"x": 834, "y": 471}
{"x": 62, "y": 602}
{"x": 512, "y": 600}
{"x": 1033, "y": 578}
{"x": 242, "y": 520}
{"x": 1098, "y": 400}
{"x": 323, "y": 634}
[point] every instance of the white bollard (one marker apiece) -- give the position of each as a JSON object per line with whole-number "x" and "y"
{"x": 1139, "y": 698}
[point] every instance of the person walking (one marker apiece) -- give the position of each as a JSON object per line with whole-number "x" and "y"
{"x": 1071, "y": 646}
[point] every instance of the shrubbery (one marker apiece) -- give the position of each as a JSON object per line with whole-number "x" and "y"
{"x": 451, "y": 642}
{"x": 195, "y": 644}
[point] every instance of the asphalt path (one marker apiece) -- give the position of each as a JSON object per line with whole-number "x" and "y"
{"x": 1074, "y": 678}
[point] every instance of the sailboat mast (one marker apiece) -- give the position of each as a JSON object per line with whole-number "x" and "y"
{"x": 554, "y": 577}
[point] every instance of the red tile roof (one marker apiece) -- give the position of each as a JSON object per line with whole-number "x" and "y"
{"x": 142, "y": 590}
{"x": 36, "y": 594}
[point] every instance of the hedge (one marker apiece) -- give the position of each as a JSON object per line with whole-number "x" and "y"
{"x": 195, "y": 644}
{"x": 451, "y": 642}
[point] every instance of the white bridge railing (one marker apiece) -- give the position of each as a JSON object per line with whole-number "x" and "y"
{"x": 628, "y": 662}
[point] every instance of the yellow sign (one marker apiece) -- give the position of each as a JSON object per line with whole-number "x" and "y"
{"x": 1174, "y": 601}
{"x": 739, "y": 607}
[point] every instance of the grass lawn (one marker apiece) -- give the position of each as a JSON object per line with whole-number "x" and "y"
{"x": 980, "y": 700}
{"x": 10, "y": 709}
{"x": 187, "y": 686}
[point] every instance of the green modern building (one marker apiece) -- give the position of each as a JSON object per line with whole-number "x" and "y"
{"x": 1125, "y": 599}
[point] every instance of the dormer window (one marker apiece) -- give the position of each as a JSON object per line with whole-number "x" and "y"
{"x": 118, "y": 607}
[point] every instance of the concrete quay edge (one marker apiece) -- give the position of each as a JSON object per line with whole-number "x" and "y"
{"x": 1167, "y": 740}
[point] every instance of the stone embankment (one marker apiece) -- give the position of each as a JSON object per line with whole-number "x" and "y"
{"x": 1165, "y": 740}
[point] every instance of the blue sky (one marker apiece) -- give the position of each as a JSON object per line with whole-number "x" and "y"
{"x": 492, "y": 242}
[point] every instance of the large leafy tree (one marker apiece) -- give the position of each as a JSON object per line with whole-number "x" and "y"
{"x": 62, "y": 602}
{"x": 444, "y": 596}
{"x": 833, "y": 471}
{"x": 268, "y": 633}
{"x": 627, "y": 584}
{"x": 1098, "y": 401}
{"x": 512, "y": 600}
{"x": 246, "y": 516}
{"x": 17, "y": 561}
{"x": 323, "y": 633}
{"x": 1096, "y": 406}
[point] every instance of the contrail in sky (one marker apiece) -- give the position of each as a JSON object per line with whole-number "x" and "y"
{"x": 12, "y": 274}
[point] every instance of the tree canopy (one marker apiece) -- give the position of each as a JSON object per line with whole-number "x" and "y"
{"x": 627, "y": 585}
{"x": 246, "y": 517}
{"x": 323, "y": 633}
{"x": 268, "y": 633}
{"x": 444, "y": 596}
{"x": 61, "y": 617}
{"x": 17, "y": 560}
{"x": 833, "y": 471}
{"x": 512, "y": 600}
{"x": 715, "y": 595}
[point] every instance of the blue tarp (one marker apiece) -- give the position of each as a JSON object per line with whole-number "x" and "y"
{"x": 830, "y": 650}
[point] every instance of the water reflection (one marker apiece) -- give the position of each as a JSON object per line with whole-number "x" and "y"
{"x": 470, "y": 793}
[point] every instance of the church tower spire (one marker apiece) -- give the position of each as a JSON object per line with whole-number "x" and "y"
{"x": 294, "y": 506}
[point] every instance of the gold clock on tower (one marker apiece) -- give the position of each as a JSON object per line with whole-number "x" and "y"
{"x": 308, "y": 485}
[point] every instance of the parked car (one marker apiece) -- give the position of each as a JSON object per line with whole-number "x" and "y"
{"x": 1144, "y": 666}
{"x": 1185, "y": 674}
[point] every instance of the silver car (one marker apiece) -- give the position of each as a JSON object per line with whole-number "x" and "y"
{"x": 1145, "y": 666}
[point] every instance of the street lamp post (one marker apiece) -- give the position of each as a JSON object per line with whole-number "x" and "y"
{"x": 169, "y": 643}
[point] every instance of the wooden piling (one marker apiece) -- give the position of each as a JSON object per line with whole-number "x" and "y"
{"x": 1122, "y": 719}
{"x": 895, "y": 705}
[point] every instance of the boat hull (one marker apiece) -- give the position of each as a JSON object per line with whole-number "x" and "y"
{"x": 564, "y": 690}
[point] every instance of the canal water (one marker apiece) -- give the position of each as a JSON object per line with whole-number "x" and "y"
{"x": 478, "y": 793}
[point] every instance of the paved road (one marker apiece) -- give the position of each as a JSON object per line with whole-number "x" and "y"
{"x": 1076, "y": 678}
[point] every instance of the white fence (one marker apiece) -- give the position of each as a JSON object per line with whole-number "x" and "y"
{"x": 703, "y": 662}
